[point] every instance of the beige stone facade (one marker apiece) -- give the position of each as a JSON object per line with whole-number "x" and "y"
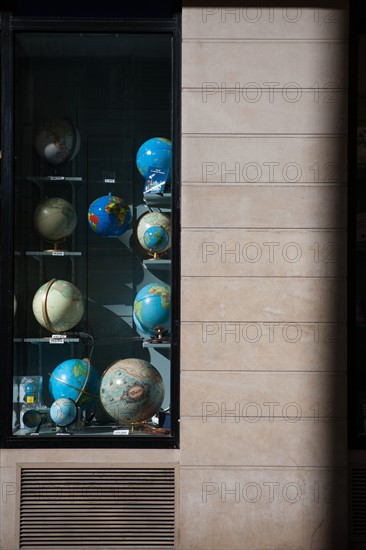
{"x": 263, "y": 457}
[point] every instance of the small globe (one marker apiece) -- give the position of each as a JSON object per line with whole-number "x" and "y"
{"x": 33, "y": 417}
{"x": 155, "y": 152}
{"x": 63, "y": 411}
{"x": 75, "y": 379}
{"x": 55, "y": 219}
{"x": 109, "y": 216}
{"x": 58, "y": 305}
{"x": 154, "y": 232}
{"x": 57, "y": 141}
{"x": 131, "y": 390}
{"x": 151, "y": 309}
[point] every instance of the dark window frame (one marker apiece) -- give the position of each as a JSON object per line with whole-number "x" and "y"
{"x": 9, "y": 25}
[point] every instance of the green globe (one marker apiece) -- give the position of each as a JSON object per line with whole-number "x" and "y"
{"x": 55, "y": 219}
{"x": 131, "y": 390}
{"x": 58, "y": 305}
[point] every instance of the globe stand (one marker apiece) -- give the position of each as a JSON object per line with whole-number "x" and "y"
{"x": 55, "y": 245}
{"x": 156, "y": 255}
{"x": 160, "y": 338}
{"x": 145, "y": 427}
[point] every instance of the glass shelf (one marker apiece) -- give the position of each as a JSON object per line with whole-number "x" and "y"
{"x": 52, "y": 253}
{"x": 156, "y": 345}
{"x": 54, "y": 179}
{"x": 158, "y": 264}
{"x": 48, "y": 340}
{"x": 158, "y": 201}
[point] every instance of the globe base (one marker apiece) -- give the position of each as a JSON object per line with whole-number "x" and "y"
{"x": 56, "y": 245}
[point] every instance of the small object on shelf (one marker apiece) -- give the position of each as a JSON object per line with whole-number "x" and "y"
{"x": 63, "y": 412}
{"x": 151, "y": 310}
{"x": 156, "y": 179}
{"x": 131, "y": 391}
{"x": 57, "y": 141}
{"x": 109, "y": 216}
{"x": 58, "y": 305}
{"x": 156, "y": 153}
{"x": 153, "y": 233}
{"x": 55, "y": 219}
{"x": 76, "y": 379}
{"x": 34, "y": 418}
{"x": 15, "y": 305}
{"x": 31, "y": 389}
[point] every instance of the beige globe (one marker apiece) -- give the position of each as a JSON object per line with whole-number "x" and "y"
{"x": 58, "y": 305}
{"x": 55, "y": 219}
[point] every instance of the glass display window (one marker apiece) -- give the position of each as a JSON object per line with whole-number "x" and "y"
{"x": 92, "y": 194}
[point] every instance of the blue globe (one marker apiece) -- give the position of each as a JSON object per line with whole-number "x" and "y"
{"x": 151, "y": 308}
{"x": 143, "y": 331}
{"x": 75, "y": 379}
{"x": 109, "y": 216}
{"x": 63, "y": 411}
{"x": 156, "y": 238}
{"x": 155, "y": 152}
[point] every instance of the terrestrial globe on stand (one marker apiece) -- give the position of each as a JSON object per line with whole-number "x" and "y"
{"x": 151, "y": 311}
{"x": 156, "y": 153}
{"x": 131, "y": 391}
{"x": 75, "y": 379}
{"x": 63, "y": 412}
{"x": 55, "y": 219}
{"x": 153, "y": 233}
{"x": 58, "y": 305}
{"x": 57, "y": 141}
{"x": 109, "y": 216}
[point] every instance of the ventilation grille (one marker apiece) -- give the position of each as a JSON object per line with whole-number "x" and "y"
{"x": 101, "y": 508}
{"x": 358, "y": 505}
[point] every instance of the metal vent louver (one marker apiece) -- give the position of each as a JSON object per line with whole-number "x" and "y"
{"x": 358, "y": 505}
{"x": 99, "y": 507}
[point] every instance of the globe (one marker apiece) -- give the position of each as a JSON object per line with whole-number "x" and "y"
{"x": 57, "y": 141}
{"x": 154, "y": 232}
{"x": 58, "y": 305}
{"x": 155, "y": 152}
{"x": 131, "y": 390}
{"x": 151, "y": 309}
{"x": 33, "y": 417}
{"x": 55, "y": 219}
{"x": 63, "y": 411}
{"x": 109, "y": 216}
{"x": 75, "y": 379}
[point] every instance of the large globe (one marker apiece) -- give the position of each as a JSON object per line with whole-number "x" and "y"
{"x": 154, "y": 231}
{"x": 55, "y": 219}
{"x": 58, "y": 305}
{"x": 63, "y": 411}
{"x": 155, "y": 152}
{"x": 75, "y": 379}
{"x": 109, "y": 216}
{"x": 57, "y": 141}
{"x": 131, "y": 390}
{"x": 151, "y": 309}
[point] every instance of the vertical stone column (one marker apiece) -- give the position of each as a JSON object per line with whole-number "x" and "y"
{"x": 263, "y": 450}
